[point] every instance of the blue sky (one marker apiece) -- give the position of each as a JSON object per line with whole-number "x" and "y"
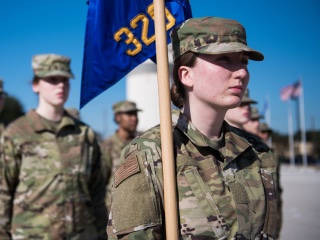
{"x": 287, "y": 34}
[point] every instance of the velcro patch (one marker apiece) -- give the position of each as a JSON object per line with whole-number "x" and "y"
{"x": 126, "y": 169}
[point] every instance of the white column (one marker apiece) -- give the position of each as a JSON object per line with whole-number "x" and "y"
{"x": 302, "y": 127}
{"x": 142, "y": 88}
{"x": 290, "y": 134}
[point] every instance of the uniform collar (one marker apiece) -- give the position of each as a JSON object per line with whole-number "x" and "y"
{"x": 40, "y": 127}
{"x": 183, "y": 123}
{"x": 232, "y": 143}
{"x": 118, "y": 140}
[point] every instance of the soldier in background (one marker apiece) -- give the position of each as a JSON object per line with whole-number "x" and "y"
{"x": 252, "y": 126}
{"x": 240, "y": 115}
{"x": 3, "y": 95}
{"x": 224, "y": 181}
{"x": 52, "y": 181}
{"x": 265, "y": 133}
{"x": 126, "y": 116}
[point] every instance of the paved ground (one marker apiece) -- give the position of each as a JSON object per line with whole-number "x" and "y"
{"x": 301, "y": 203}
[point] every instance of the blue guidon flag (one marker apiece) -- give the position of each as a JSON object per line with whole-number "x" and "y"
{"x": 119, "y": 36}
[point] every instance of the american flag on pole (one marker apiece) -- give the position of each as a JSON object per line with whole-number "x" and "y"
{"x": 291, "y": 91}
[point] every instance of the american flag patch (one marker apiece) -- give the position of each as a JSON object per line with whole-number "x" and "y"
{"x": 126, "y": 169}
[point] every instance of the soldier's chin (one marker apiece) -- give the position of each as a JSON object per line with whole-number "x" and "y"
{"x": 234, "y": 105}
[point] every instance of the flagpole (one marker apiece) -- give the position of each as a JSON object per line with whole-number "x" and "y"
{"x": 302, "y": 126}
{"x": 290, "y": 130}
{"x": 168, "y": 162}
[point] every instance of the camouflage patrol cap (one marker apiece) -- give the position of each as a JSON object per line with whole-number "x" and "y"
{"x": 247, "y": 99}
{"x": 211, "y": 35}
{"x": 48, "y": 65}
{"x": 125, "y": 106}
{"x": 263, "y": 127}
{"x": 254, "y": 114}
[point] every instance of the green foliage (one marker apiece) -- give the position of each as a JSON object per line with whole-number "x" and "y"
{"x": 12, "y": 109}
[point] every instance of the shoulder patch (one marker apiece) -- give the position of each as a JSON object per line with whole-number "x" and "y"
{"x": 126, "y": 169}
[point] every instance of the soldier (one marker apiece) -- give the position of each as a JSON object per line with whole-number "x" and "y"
{"x": 224, "y": 181}
{"x": 252, "y": 126}
{"x": 126, "y": 116}
{"x": 265, "y": 133}
{"x": 240, "y": 115}
{"x": 52, "y": 183}
{"x": 3, "y": 95}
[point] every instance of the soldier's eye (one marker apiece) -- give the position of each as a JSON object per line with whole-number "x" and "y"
{"x": 56, "y": 80}
{"x": 245, "y": 61}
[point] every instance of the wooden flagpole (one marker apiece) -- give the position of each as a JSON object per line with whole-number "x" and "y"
{"x": 169, "y": 175}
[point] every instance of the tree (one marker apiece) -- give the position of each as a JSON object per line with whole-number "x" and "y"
{"x": 12, "y": 109}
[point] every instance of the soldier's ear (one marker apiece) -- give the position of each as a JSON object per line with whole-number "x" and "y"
{"x": 35, "y": 87}
{"x": 117, "y": 118}
{"x": 186, "y": 76}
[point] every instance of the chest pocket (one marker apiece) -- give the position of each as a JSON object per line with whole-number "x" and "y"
{"x": 245, "y": 181}
{"x": 37, "y": 162}
{"x": 199, "y": 214}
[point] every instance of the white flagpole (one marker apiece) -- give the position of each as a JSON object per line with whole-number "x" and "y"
{"x": 290, "y": 131}
{"x": 302, "y": 126}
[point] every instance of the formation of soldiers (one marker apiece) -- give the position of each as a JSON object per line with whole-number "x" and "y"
{"x": 58, "y": 181}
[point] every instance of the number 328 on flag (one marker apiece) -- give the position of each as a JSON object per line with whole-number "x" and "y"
{"x": 131, "y": 39}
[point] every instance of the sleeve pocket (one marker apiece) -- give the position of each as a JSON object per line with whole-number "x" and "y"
{"x": 134, "y": 205}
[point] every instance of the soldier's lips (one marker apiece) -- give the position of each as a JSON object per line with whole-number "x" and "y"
{"x": 236, "y": 89}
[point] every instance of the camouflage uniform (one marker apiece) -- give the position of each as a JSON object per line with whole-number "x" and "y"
{"x": 264, "y": 127}
{"x": 52, "y": 184}
{"x": 3, "y": 95}
{"x": 112, "y": 148}
{"x": 225, "y": 187}
{"x": 2, "y": 127}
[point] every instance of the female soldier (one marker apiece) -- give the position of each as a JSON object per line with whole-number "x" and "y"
{"x": 224, "y": 181}
{"x": 51, "y": 182}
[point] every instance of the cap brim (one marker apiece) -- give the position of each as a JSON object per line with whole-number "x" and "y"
{"x": 256, "y": 117}
{"x": 56, "y": 73}
{"x": 248, "y": 100}
{"x": 220, "y": 48}
{"x": 127, "y": 111}
{"x": 266, "y": 130}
